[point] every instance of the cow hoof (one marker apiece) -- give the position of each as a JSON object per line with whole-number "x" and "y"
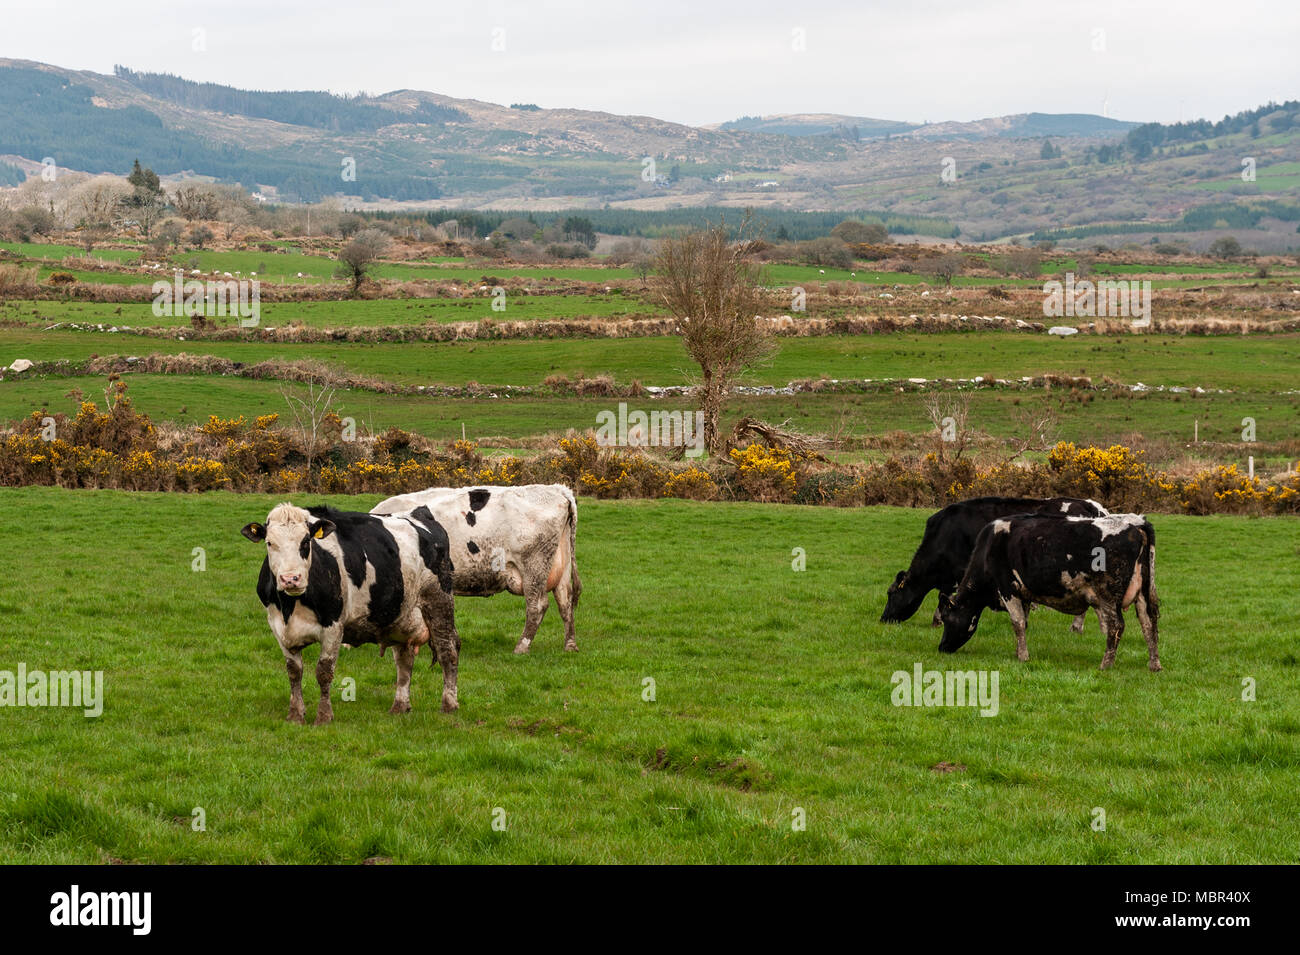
{"x": 1105, "y": 664}
{"x": 1022, "y": 657}
{"x": 1155, "y": 666}
{"x": 400, "y": 708}
{"x": 324, "y": 718}
{"x": 449, "y": 705}
{"x": 571, "y": 647}
{"x": 522, "y": 648}
{"x": 294, "y": 718}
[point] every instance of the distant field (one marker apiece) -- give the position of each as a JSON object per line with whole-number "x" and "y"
{"x": 1108, "y": 417}
{"x": 772, "y": 702}
{"x": 344, "y": 314}
{"x": 1257, "y": 362}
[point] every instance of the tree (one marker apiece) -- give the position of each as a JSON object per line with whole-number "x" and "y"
{"x": 855, "y": 232}
{"x": 147, "y": 208}
{"x": 1049, "y": 151}
{"x": 1225, "y": 248}
{"x": 33, "y": 221}
{"x": 360, "y": 252}
{"x": 580, "y": 229}
{"x": 826, "y": 251}
{"x": 201, "y": 236}
{"x": 711, "y": 286}
{"x": 144, "y": 180}
{"x": 194, "y": 203}
{"x": 944, "y": 268}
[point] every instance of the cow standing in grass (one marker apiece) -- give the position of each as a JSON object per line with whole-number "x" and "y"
{"x": 334, "y": 576}
{"x": 1066, "y": 563}
{"x": 521, "y": 539}
{"x": 949, "y": 538}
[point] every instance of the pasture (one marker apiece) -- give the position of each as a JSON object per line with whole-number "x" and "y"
{"x": 772, "y": 693}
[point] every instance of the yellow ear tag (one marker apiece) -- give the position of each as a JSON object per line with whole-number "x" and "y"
{"x": 320, "y": 533}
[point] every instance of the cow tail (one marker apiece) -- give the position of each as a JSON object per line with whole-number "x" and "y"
{"x": 1149, "y": 572}
{"x": 574, "y": 580}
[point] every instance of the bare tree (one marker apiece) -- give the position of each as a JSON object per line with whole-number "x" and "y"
{"x": 1036, "y": 430}
{"x": 711, "y": 286}
{"x": 949, "y": 413}
{"x": 944, "y": 268}
{"x": 194, "y": 203}
{"x": 309, "y": 409}
{"x": 360, "y": 252}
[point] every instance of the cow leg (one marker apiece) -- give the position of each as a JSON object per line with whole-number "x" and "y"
{"x": 1077, "y": 625}
{"x": 1019, "y": 615}
{"x": 1150, "y": 633}
{"x": 566, "y": 599}
{"x": 1112, "y": 627}
{"x": 293, "y": 664}
{"x": 404, "y": 657}
{"x": 440, "y": 617}
{"x": 329, "y": 654}
{"x": 535, "y": 604}
{"x": 936, "y": 620}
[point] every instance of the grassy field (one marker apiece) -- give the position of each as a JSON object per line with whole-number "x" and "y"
{"x": 342, "y": 314}
{"x": 1258, "y": 362}
{"x": 1108, "y": 417}
{"x": 772, "y": 694}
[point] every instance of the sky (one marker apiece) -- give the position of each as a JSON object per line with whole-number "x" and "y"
{"x": 699, "y": 62}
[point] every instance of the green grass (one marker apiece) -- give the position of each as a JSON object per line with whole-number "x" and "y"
{"x": 344, "y": 314}
{"x": 56, "y": 253}
{"x": 772, "y": 694}
{"x": 1256, "y": 362}
{"x": 1110, "y": 417}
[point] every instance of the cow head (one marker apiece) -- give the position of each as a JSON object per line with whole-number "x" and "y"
{"x": 903, "y": 599}
{"x": 288, "y": 533}
{"x": 959, "y": 622}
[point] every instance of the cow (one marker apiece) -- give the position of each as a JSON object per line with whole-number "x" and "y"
{"x": 331, "y": 577}
{"x": 949, "y": 538}
{"x": 521, "y": 539}
{"x": 1066, "y": 563}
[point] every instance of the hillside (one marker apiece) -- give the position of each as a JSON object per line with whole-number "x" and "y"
{"x": 1032, "y": 173}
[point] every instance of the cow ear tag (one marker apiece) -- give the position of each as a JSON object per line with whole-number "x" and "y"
{"x": 320, "y": 533}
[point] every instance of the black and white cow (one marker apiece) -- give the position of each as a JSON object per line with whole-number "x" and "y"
{"x": 521, "y": 539}
{"x": 1066, "y": 563}
{"x": 949, "y": 538}
{"x": 331, "y": 577}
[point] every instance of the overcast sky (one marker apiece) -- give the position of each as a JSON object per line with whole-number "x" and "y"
{"x": 697, "y": 61}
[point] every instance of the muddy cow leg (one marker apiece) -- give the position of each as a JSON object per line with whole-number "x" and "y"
{"x": 293, "y": 664}
{"x": 329, "y": 654}
{"x": 535, "y": 603}
{"x": 1019, "y": 615}
{"x": 1112, "y": 627}
{"x": 404, "y": 657}
{"x": 1076, "y": 626}
{"x": 440, "y": 617}
{"x": 1147, "y": 619}
{"x": 566, "y": 599}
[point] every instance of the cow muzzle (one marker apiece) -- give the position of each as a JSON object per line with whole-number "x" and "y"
{"x": 292, "y": 585}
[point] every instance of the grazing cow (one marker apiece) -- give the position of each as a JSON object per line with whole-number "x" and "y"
{"x": 333, "y": 576}
{"x": 949, "y": 539}
{"x": 520, "y": 539}
{"x": 1066, "y": 563}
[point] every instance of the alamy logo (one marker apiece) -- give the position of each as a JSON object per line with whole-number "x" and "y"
{"x": 103, "y": 908}
{"x": 658, "y": 429}
{"x": 1106, "y": 299}
{"x": 182, "y": 299}
{"x": 946, "y": 688}
{"x": 77, "y": 688}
